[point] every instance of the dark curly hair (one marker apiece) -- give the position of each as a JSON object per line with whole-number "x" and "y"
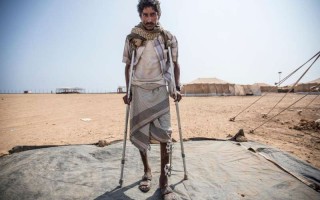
{"x": 155, "y": 4}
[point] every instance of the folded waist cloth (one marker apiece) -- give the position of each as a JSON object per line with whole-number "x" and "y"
{"x": 149, "y": 116}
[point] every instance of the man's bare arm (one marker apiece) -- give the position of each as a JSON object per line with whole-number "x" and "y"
{"x": 177, "y": 79}
{"x": 126, "y": 73}
{"x": 177, "y": 73}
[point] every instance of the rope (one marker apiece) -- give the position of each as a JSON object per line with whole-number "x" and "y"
{"x": 286, "y": 95}
{"x": 233, "y": 118}
{"x": 294, "y": 84}
{"x": 288, "y": 76}
{"x": 278, "y": 84}
{"x": 310, "y": 102}
{"x": 251, "y": 131}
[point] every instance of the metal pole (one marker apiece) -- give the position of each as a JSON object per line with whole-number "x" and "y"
{"x": 279, "y": 77}
{"x": 126, "y": 121}
{"x": 178, "y": 113}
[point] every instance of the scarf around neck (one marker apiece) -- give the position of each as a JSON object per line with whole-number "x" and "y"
{"x": 139, "y": 34}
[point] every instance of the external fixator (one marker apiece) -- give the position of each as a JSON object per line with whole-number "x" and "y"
{"x": 169, "y": 146}
{"x": 167, "y": 170}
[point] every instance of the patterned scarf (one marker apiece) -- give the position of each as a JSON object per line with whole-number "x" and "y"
{"x": 139, "y": 34}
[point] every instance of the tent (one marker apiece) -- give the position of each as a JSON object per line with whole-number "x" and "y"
{"x": 70, "y": 90}
{"x": 243, "y": 90}
{"x": 218, "y": 87}
{"x": 307, "y": 87}
{"x": 216, "y": 170}
{"x": 264, "y": 87}
{"x": 208, "y": 87}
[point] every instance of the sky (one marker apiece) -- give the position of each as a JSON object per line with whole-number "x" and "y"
{"x": 48, "y": 44}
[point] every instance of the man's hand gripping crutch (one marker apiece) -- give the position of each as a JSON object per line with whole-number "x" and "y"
{"x": 127, "y": 100}
{"x": 177, "y": 98}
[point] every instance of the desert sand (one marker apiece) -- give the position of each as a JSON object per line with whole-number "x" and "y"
{"x": 62, "y": 119}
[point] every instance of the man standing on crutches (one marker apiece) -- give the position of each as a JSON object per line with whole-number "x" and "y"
{"x": 149, "y": 75}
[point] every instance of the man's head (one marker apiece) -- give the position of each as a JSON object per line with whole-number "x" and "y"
{"x": 149, "y": 12}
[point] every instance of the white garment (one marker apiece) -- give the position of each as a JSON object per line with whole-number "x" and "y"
{"x": 148, "y": 69}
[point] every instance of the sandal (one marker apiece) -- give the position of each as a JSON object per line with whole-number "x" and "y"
{"x": 145, "y": 183}
{"x": 167, "y": 193}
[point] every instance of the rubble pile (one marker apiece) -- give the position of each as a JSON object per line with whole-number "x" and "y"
{"x": 308, "y": 125}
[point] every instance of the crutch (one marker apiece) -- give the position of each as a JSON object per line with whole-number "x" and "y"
{"x": 126, "y": 120}
{"x": 178, "y": 116}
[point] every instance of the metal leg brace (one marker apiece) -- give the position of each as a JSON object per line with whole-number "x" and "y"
{"x": 168, "y": 166}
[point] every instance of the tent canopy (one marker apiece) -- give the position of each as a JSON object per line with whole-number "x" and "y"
{"x": 315, "y": 81}
{"x": 208, "y": 81}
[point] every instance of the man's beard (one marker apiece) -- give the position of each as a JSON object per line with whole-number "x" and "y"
{"x": 149, "y": 26}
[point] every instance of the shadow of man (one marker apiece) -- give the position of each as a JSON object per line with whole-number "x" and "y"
{"x": 118, "y": 192}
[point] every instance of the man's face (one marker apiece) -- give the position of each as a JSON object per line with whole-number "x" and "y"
{"x": 149, "y": 18}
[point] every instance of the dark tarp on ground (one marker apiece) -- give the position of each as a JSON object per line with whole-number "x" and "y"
{"x": 217, "y": 170}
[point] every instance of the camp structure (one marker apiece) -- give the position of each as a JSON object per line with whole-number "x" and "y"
{"x": 207, "y": 87}
{"x": 218, "y": 87}
{"x": 27, "y": 91}
{"x": 264, "y": 87}
{"x": 246, "y": 90}
{"x": 70, "y": 90}
{"x": 121, "y": 89}
{"x": 308, "y": 87}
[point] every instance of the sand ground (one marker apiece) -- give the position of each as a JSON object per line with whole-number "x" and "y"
{"x": 45, "y": 119}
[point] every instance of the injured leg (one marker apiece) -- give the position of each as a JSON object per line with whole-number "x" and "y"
{"x": 166, "y": 191}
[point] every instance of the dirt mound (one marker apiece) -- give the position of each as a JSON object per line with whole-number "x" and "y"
{"x": 308, "y": 125}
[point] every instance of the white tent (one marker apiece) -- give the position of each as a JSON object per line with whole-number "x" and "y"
{"x": 218, "y": 87}
{"x": 307, "y": 87}
{"x": 208, "y": 87}
{"x": 264, "y": 87}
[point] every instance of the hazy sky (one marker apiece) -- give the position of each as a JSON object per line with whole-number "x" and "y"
{"x": 45, "y": 44}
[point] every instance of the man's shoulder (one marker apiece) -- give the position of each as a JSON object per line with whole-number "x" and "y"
{"x": 168, "y": 34}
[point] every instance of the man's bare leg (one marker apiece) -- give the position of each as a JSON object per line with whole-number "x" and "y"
{"x": 163, "y": 182}
{"x": 144, "y": 158}
{"x": 166, "y": 191}
{"x": 146, "y": 180}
